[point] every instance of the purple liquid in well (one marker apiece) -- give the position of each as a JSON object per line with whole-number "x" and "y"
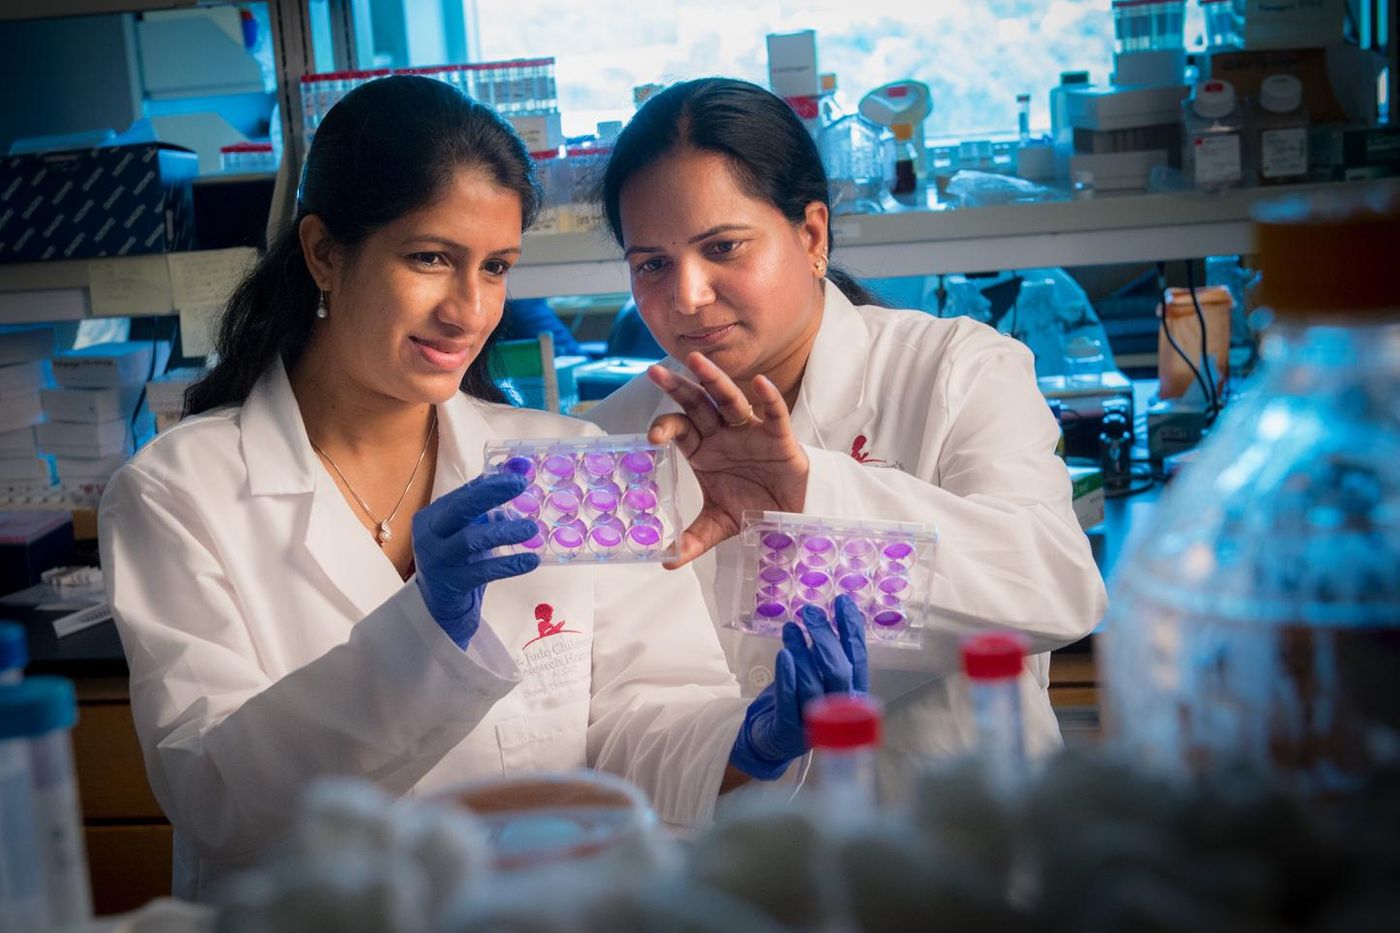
{"x": 888, "y": 618}
{"x": 854, "y": 582}
{"x": 770, "y": 610}
{"x": 568, "y": 537}
{"x": 559, "y": 467}
{"x": 638, "y": 462}
{"x": 644, "y": 535}
{"x": 565, "y": 503}
{"x": 606, "y": 537}
{"x": 520, "y": 466}
{"x": 639, "y": 500}
{"x": 893, "y": 585}
{"x": 598, "y": 465}
{"x": 601, "y": 500}
{"x": 773, "y": 575}
{"x": 899, "y": 550}
{"x": 777, "y": 541}
{"x": 814, "y": 579}
{"x": 817, "y": 544}
{"x": 526, "y": 505}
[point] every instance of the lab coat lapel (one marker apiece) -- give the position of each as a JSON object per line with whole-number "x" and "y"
{"x": 462, "y": 435}
{"x": 281, "y": 463}
{"x": 832, "y": 402}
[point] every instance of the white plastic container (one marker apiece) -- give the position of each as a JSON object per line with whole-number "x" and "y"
{"x": 844, "y": 733}
{"x": 38, "y": 714}
{"x": 1214, "y": 155}
{"x": 993, "y": 662}
{"x": 1281, "y": 132}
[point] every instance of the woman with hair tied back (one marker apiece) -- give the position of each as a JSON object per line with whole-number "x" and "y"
{"x": 789, "y": 389}
{"x": 302, "y": 571}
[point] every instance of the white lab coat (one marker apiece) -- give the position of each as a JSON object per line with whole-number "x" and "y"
{"x": 950, "y": 430}
{"x": 270, "y": 641}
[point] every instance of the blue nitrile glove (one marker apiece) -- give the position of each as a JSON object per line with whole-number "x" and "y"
{"x": 835, "y": 662}
{"x": 452, "y": 538}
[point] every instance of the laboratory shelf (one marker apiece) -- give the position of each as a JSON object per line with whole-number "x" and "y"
{"x": 1107, "y": 229}
{"x": 1096, "y": 231}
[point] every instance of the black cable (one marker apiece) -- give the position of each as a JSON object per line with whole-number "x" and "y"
{"x": 1213, "y": 397}
{"x": 1166, "y": 332}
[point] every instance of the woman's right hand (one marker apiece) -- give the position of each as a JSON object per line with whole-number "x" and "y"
{"x": 452, "y": 541}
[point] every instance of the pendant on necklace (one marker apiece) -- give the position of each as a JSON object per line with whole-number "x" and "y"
{"x": 385, "y": 534}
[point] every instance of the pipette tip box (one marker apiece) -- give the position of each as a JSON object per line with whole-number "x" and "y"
{"x": 595, "y": 499}
{"x": 790, "y": 561}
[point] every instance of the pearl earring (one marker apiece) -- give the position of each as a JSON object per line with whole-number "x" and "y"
{"x": 321, "y": 310}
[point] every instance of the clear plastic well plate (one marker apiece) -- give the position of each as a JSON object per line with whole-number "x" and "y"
{"x": 595, "y": 499}
{"x": 791, "y": 561}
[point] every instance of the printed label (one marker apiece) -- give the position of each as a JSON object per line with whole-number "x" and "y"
{"x": 1217, "y": 159}
{"x": 1283, "y": 153}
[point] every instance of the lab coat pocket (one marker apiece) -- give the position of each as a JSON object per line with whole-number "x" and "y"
{"x": 547, "y": 740}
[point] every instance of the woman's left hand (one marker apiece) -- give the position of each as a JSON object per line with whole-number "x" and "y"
{"x": 745, "y": 457}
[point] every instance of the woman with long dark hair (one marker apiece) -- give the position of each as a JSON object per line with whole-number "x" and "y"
{"x": 303, "y": 572}
{"x": 789, "y": 389}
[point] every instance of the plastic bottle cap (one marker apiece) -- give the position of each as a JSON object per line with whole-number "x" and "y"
{"x": 14, "y": 649}
{"x": 1023, "y": 98}
{"x": 37, "y": 706}
{"x": 842, "y": 720}
{"x": 1214, "y": 99}
{"x": 1074, "y": 77}
{"x": 1280, "y": 93}
{"x": 828, "y": 82}
{"x": 903, "y": 131}
{"x": 994, "y": 655}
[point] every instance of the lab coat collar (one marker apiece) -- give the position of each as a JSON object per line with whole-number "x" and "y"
{"x": 276, "y": 451}
{"x": 833, "y": 384}
{"x": 280, "y": 461}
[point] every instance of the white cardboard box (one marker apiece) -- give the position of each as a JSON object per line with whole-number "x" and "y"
{"x": 792, "y": 64}
{"x": 542, "y": 132}
{"x": 1293, "y": 24}
{"x": 20, "y": 412}
{"x": 37, "y": 470}
{"x": 110, "y": 364}
{"x": 90, "y": 405}
{"x": 23, "y": 378}
{"x": 71, "y": 438}
{"x": 88, "y": 469}
{"x": 25, "y": 344}
{"x": 1105, "y": 107}
{"x": 18, "y": 443}
{"x": 1119, "y": 171}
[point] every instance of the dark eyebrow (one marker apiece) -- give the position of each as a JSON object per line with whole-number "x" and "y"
{"x": 721, "y": 228}
{"x": 454, "y": 246}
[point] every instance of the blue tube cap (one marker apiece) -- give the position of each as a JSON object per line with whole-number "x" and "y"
{"x": 37, "y": 706}
{"x": 14, "y": 649}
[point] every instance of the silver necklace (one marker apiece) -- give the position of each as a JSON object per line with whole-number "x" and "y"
{"x": 385, "y": 533}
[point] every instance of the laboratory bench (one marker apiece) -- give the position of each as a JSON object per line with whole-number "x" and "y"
{"x": 129, "y": 841}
